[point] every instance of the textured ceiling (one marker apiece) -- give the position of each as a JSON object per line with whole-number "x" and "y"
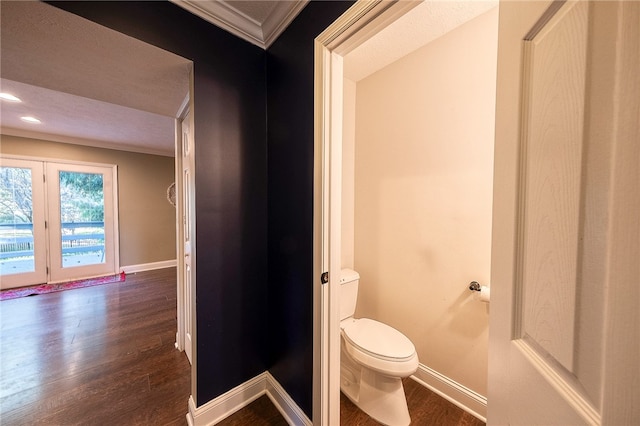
{"x": 421, "y": 25}
{"x": 92, "y": 85}
{"x": 86, "y": 81}
{"x": 47, "y": 47}
{"x": 76, "y": 119}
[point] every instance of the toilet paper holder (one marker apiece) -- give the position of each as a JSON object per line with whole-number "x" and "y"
{"x": 475, "y": 286}
{"x": 483, "y": 291}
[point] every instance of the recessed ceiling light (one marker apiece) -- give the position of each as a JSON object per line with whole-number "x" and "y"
{"x": 9, "y": 97}
{"x": 30, "y": 119}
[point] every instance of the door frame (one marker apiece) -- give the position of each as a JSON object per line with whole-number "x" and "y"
{"x": 180, "y": 293}
{"x": 184, "y": 302}
{"x": 360, "y": 22}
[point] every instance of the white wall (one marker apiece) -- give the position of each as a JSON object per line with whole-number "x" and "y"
{"x": 422, "y": 196}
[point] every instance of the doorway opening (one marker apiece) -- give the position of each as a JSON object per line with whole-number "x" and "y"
{"x": 396, "y": 170}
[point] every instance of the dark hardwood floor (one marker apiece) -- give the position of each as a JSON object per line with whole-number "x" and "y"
{"x": 260, "y": 412}
{"x": 105, "y": 355}
{"x": 101, "y": 355}
{"x": 425, "y": 408}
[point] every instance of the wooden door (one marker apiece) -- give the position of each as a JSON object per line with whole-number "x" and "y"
{"x": 564, "y": 327}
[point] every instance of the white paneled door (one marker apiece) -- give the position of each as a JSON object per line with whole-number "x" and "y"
{"x": 57, "y": 222}
{"x": 564, "y": 321}
{"x": 187, "y": 201}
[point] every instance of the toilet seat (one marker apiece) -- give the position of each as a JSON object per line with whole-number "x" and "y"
{"x": 380, "y": 347}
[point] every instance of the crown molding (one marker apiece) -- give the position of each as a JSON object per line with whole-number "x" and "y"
{"x": 223, "y": 15}
{"x": 283, "y": 14}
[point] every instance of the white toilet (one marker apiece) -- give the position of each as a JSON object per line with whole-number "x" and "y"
{"x": 374, "y": 358}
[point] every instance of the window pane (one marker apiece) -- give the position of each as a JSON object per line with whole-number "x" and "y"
{"x": 16, "y": 221}
{"x": 82, "y": 218}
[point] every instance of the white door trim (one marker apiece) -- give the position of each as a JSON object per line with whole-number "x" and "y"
{"x": 362, "y": 21}
{"x": 180, "y": 296}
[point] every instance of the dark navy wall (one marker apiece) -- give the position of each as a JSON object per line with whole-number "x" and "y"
{"x": 231, "y": 183}
{"x": 238, "y": 273}
{"x": 290, "y": 71}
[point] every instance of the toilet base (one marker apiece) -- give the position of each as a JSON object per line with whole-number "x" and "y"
{"x": 380, "y": 396}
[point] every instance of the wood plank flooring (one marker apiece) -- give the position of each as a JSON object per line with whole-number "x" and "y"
{"x": 260, "y": 412}
{"x": 99, "y": 355}
{"x": 425, "y": 408}
{"x": 105, "y": 355}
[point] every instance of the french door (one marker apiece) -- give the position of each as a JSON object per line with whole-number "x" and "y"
{"x": 23, "y": 250}
{"x": 81, "y": 221}
{"x": 57, "y": 222}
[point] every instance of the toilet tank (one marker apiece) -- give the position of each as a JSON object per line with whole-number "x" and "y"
{"x": 349, "y": 280}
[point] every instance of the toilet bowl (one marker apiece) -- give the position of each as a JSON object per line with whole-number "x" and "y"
{"x": 374, "y": 358}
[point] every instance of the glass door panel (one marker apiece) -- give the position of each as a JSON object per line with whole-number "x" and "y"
{"x": 22, "y": 223}
{"x": 16, "y": 221}
{"x": 82, "y": 217}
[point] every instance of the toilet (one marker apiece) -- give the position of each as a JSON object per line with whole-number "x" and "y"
{"x": 374, "y": 358}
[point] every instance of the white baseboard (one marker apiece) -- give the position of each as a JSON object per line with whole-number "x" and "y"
{"x": 228, "y": 403}
{"x": 242, "y": 395}
{"x": 470, "y": 401}
{"x": 283, "y": 402}
{"x": 148, "y": 266}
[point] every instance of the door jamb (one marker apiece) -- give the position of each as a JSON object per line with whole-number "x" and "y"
{"x": 180, "y": 295}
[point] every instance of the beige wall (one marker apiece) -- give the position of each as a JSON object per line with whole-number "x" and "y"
{"x": 147, "y": 220}
{"x": 423, "y": 194}
{"x": 348, "y": 166}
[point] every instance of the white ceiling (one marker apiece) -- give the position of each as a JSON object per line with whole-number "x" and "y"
{"x": 86, "y": 83}
{"x": 424, "y": 23}
{"x": 94, "y": 86}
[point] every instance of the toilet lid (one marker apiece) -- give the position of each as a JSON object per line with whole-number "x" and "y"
{"x": 379, "y": 339}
